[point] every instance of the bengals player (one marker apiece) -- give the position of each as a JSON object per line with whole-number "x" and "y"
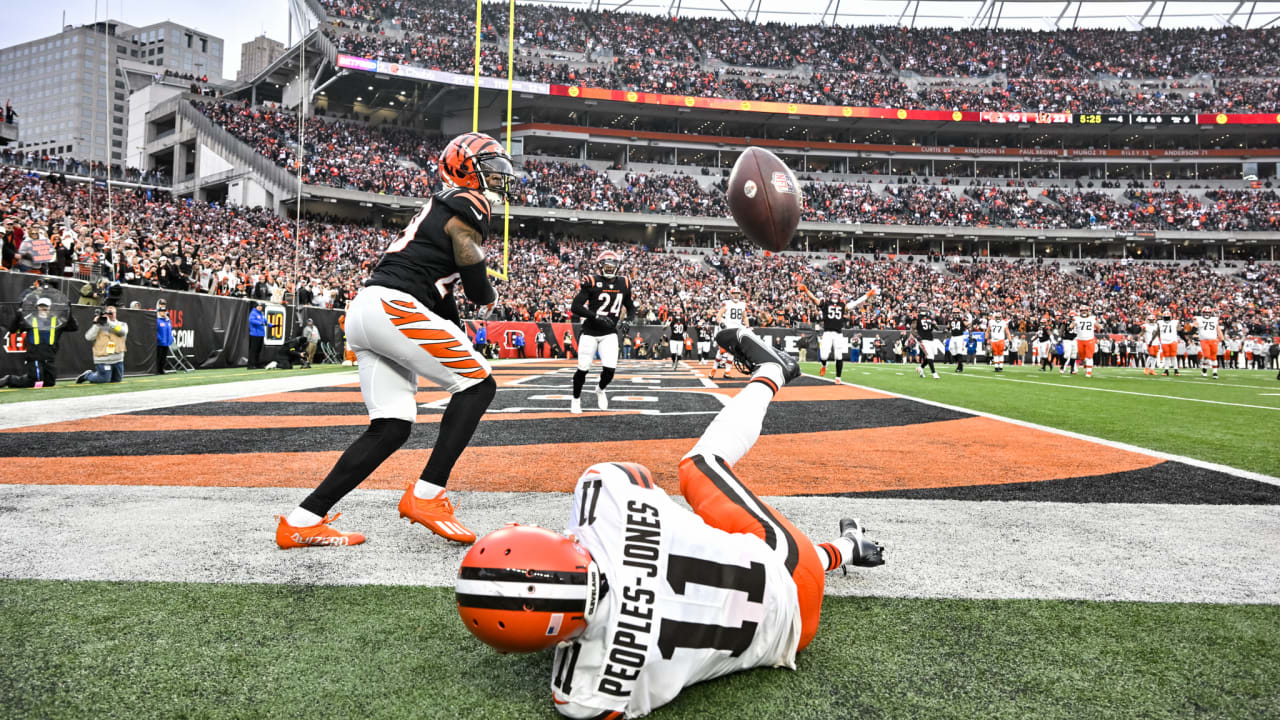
{"x": 834, "y": 313}
{"x": 645, "y": 597}
{"x": 404, "y": 324}
{"x": 600, "y": 302}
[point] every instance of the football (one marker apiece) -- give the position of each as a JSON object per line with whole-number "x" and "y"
{"x": 765, "y": 199}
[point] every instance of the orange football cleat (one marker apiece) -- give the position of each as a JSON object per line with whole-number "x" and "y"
{"x": 320, "y": 535}
{"x": 435, "y": 515}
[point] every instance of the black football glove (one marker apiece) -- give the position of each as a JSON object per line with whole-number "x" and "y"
{"x": 624, "y": 327}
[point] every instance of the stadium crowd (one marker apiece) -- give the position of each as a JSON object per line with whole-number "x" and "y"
{"x": 1068, "y": 70}
{"x": 151, "y": 240}
{"x": 382, "y": 159}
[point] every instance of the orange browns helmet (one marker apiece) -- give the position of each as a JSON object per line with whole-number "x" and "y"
{"x": 477, "y": 161}
{"x": 524, "y": 588}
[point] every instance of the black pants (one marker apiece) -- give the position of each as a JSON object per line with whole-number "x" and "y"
{"x": 255, "y": 351}
{"x": 162, "y": 354}
{"x": 37, "y": 370}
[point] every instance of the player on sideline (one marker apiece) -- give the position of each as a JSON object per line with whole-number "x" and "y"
{"x": 1210, "y": 332}
{"x": 404, "y": 324}
{"x": 676, "y": 330}
{"x": 1168, "y": 329}
{"x": 956, "y": 328}
{"x": 643, "y": 597}
{"x": 835, "y": 315}
{"x": 600, "y": 301}
{"x": 998, "y": 335}
{"x": 1085, "y": 326}
{"x": 925, "y": 326}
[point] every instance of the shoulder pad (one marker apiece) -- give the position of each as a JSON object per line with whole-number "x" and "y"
{"x": 472, "y": 205}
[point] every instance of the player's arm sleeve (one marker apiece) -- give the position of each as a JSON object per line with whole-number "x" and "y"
{"x": 627, "y": 302}
{"x": 469, "y": 257}
{"x": 579, "y": 307}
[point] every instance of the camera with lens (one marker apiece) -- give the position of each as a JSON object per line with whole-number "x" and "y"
{"x": 100, "y": 316}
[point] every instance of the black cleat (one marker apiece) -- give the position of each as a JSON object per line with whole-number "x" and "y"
{"x": 750, "y": 351}
{"x": 869, "y": 552}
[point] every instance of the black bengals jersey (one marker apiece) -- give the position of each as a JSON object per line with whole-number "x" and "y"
{"x": 421, "y": 261}
{"x": 833, "y": 319}
{"x": 599, "y": 303}
{"x": 676, "y": 329}
{"x": 1068, "y": 330}
{"x": 956, "y": 326}
{"x": 925, "y": 326}
{"x": 1045, "y": 335}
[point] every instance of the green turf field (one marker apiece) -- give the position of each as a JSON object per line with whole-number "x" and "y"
{"x": 1232, "y": 421}
{"x": 69, "y": 388}
{"x": 140, "y": 650}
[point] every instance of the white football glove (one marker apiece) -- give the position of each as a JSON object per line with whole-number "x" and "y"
{"x": 484, "y": 311}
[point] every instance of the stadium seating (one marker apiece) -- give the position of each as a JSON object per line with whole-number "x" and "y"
{"x": 878, "y": 66}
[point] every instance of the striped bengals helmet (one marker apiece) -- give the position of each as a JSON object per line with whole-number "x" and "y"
{"x": 477, "y": 161}
{"x": 608, "y": 262}
{"x": 524, "y": 588}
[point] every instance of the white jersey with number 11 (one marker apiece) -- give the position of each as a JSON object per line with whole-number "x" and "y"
{"x": 686, "y": 602}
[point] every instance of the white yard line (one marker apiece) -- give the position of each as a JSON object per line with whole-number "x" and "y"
{"x": 1110, "y": 390}
{"x": 37, "y": 412}
{"x": 935, "y": 548}
{"x": 1237, "y": 472}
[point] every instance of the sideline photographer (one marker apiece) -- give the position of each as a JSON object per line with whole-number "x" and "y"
{"x": 43, "y": 329}
{"x": 107, "y": 333}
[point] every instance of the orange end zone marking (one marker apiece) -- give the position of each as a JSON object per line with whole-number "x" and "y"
{"x": 973, "y": 451}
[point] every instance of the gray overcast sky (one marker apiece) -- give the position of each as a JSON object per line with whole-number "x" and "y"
{"x": 235, "y": 21}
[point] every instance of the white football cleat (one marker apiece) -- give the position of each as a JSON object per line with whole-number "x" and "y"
{"x": 935, "y": 376}
{"x": 575, "y": 406}
{"x": 602, "y": 400}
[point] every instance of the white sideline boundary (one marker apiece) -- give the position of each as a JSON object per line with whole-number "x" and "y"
{"x": 1204, "y": 464}
{"x": 40, "y": 412}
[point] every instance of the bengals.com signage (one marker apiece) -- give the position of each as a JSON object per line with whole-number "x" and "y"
{"x": 352, "y": 62}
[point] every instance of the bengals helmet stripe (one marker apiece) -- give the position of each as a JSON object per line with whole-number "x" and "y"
{"x": 469, "y": 158}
